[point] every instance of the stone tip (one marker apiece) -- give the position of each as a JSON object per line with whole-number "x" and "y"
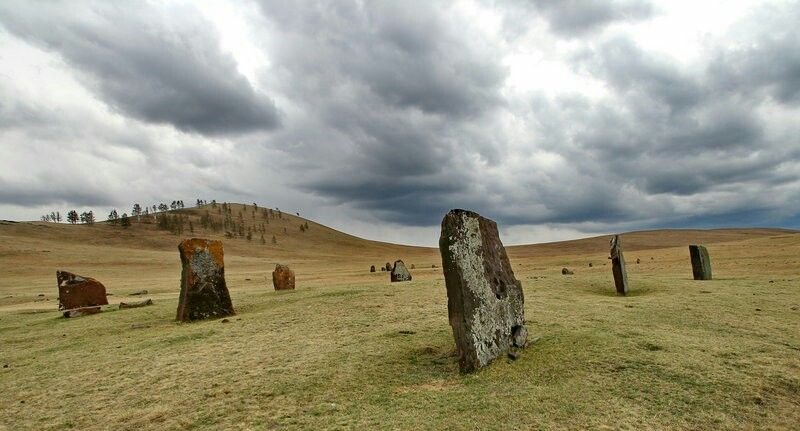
{"x": 459, "y": 211}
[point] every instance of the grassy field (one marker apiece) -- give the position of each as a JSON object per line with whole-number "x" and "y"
{"x": 349, "y": 350}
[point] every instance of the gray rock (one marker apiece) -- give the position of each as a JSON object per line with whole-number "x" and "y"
{"x": 146, "y": 302}
{"x": 484, "y": 300}
{"x": 618, "y": 266}
{"x": 701, "y": 262}
{"x": 400, "y": 272}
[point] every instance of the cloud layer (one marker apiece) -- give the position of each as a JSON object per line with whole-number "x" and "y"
{"x": 561, "y": 117}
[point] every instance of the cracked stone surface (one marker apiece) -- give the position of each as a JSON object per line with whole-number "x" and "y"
{"x": 618, "y": 266}
{"x": 485, "y": 301}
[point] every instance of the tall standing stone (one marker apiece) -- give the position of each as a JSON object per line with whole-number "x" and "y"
{"x": 204, "y": 294}
{"x": 399, "y": 272}
{"x": 484, "y": 300}
{"x": 618, "y": 266}
{"x": 78, "y": 292}
{"x": 283, "y": 278}
{"x": 701, "y": 263}
{"x": 372, "y": 268}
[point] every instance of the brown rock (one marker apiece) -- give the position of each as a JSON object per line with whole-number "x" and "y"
{"x": 372, "y": 268}
{"x": 75, "y": 291}
{"x": 566, "y": 271}
{"x": 484, "y": 300}
{"x": 204, "y": 294}
{"x": 283, "y": 278}
{"x": 399, "y": 272}
{"x": 618, "y": 266}
{"x": 388, "y": 266}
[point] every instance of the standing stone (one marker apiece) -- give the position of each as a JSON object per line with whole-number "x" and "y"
{"x": 283, "y": 278}
{"x": 388, "y": 266}
{"x": 566, "y": 271}
{"x": 77, "y": 292}
{"x": 372, "y": 268}
{"x": 701, "y": 263}
{"x": 484, "y": 300}
{"x": 618, "y": 266}
{"x": 400, "y": 272}
{"x": 204, "y": 294}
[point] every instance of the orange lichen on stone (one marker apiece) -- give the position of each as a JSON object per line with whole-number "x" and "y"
{"x": 283, "y": 278}
{"x": 204, "y": 293}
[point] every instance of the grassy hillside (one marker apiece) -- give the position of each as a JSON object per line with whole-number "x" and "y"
{"x": 349, "y": 350}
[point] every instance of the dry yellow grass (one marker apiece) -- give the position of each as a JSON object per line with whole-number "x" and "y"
{"x": 349, "y": 350}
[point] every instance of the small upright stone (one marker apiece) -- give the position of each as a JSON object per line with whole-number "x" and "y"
{"x": 283, "y": 278}
{"x": 388, "y": 266}
{"x": 204, "y": 294}
{"x": 618, "y": 266}
{"x": 75, "y": 291}
{"x": 566, "y": 271}
{"x": 485, "y": 302}
{"x": 701, "y": 263}
{"x": 400, "y": 272}
{"x": 372, "y": 268}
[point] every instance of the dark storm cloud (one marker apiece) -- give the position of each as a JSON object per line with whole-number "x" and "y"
{"x": 155, "y": 66}
{"x": 393, "y": 91}
{"x": 50, "y": 190}
{"x": 573, "y": 18}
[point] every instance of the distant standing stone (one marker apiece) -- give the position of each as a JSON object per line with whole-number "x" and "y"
{"x": 701, "y": 262}
{"x": 590, "y": 264}
{"x": 283, "y": 278}
{"x": 485, "y": 302}
{"x": 388, "y": 266}
{"x": 566, "y": 271}
{"x": 618, "y": 266}
{"x": 372, "y": 268}
{"x": 204, "y": 294}
{"x": 400, "y": 272}
{"x": 75, "y": 291}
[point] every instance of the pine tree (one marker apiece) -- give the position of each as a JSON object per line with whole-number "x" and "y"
{"x": 72, "y": 216}
{"x": 274, "y": 240}
{"x": 263, "y": 241}
{"x": 113, "y": 217}
{"x": 124, "y": 220}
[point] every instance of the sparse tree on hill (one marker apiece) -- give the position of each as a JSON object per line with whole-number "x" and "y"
{"x": 213, "y": 203}
{"x": 306, "y": 225}
{"x": 137, "y": 210}
{"x": 58, "y": 217}
{"x": 113, "y": 217}
{"x": 302, "y": 228}
{"x": 72, "y": 216}
{"x": 162, "y": 207}
{"x": 87, "y": 217}
{"x": 274, "y": 240}
{"x": 191, "y": 227}
{"x": 249, "y": 235}
{"x": 263, "y": 241}
{"x": 124, "y": 220}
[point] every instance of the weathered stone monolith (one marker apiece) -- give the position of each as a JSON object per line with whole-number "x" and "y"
{"x": 204, "y": 294}
{"x": 484, "y": 300}
{"x": 618, "y": 266}
{"x": 283, "y": 278}
{"x": 399, "y": 272}
{"x": 701, "y": 263}
{"x": 77, "y": 292}
{"x": 388, "y": 266}
{"x": 372, "y": 268}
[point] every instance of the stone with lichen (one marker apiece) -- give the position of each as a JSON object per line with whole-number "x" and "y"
{"x": 485, "y": 301}
{"x": 75, "y": 291}
{"x": 204, "y": 294}
{"x": 399, "y": 272}
{"x": 283, "y": 278}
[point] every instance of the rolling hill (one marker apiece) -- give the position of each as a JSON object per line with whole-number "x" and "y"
{"x": 350, "y": 350}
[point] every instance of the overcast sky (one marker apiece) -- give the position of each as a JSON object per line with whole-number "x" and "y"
{"x": 558, "y": 119}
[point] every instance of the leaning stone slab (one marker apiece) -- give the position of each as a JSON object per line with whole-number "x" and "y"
{"x": 283, "y": 278}
{"x": 204, "y": 294}
{"x": 136, "y": 304}
{"x": 484, "y": 300}
{"x": 75, "y": 291}
{"x": 701, "y": 262}
{"x": 399, "y": 272}
{"x": 84, "y": 311}
{"x": 618, "y": 266}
